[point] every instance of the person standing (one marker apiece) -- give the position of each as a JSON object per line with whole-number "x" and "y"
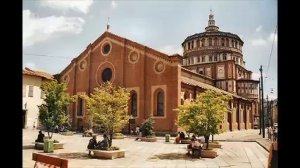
{"x": 273, "y": 155}
{"x": 137, "y": 130}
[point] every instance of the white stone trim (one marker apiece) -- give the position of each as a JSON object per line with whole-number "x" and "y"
{"x": 137, "y": 90}
{"x": 137, "y": 50}
{"x": 131, "y": 53}
{"x": 113, "y": 72}
{"x": 155, "y": 64}
{"x": 79, "y": 65}
{"x": 83, "y": 105}
{"x": 102, "y": 45}
{"x": 153, "y": 89}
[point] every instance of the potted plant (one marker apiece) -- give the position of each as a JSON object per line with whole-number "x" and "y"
{"x": 147, "y": 131}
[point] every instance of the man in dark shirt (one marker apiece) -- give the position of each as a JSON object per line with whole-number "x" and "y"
{"x": 103, "y": 145}
{"x": 92, "y": 143}
{"x": 40, "y": 137}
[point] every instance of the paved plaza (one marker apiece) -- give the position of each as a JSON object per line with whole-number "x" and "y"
{"x": 235, "y": 153}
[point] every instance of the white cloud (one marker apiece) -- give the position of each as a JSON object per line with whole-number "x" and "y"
{"x": 170, "y": 50}
{"x": 271, "y": 96}
{"x": 37, "y": 29}
{"x": 258, "y": 28}
{"x": 114, "y": 4}
{"x": 271, "y": 37}
{"x": 258, "y": 42}
{"x": 256, "y": 75}
{"x": 76, "y": 5}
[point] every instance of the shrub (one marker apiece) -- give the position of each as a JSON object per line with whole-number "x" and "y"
{"x": 118, "y": 134}
{"x": 147, "y": 127}
{"x": 113, "y": 148}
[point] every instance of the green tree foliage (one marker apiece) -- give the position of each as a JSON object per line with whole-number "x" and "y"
{"x": 147, "y": 127}
{"x": 108, "y": 107}
{"x": 54, "y": 109}
{"x": 204, "y": 115}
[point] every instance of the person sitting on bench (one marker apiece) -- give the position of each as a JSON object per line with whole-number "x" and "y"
{"x": 40, "y": 137}
{"x": 88, "y": 133}
{"x": 92, "y": 143}
{"x": 195, "y": 147}
{"x": 103, "y": 145}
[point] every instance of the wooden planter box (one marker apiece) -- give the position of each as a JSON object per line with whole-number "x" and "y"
{"x": 104, "y": 154}
{"x": 208, "y": 153}
{"x": 185, "y": 141}
{"x": 69, "y": 133}
{"x": 58, "y": 145}
{"x": 153, "y": 139}
{"x": 215, "y": 145}
{"x": 118, "y": 137}
{"x": 40, "y": 145}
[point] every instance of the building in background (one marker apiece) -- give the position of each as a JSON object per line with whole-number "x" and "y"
{"x": 159, "y": 83}
{"x": 219, "y": 56}
{"x": 32, "y": 95}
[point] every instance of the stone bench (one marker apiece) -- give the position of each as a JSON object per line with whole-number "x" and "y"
{"x": 106, "y": 154}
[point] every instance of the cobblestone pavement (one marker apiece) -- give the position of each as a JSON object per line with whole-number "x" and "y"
{"x": 158, "y": 154}
{"x": 245, "y": 135}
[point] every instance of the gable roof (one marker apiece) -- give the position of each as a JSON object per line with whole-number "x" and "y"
{"x": 41, "y": 74}
{"x": 174, "y": 57}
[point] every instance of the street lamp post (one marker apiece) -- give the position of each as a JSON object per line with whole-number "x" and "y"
{"x": 262, "y": 102}
{"x": 267, "y": 113}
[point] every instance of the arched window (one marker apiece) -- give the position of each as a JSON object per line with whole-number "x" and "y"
{"x": 203, "y": 42}
{"x": 215, "y": 41}
{"x": 222, "y": 42}
{"x": 227, "y": 42}
{"x": 160, "y": 104}
{"x": 133, "y": 104}
{"x": 209, "y": 42}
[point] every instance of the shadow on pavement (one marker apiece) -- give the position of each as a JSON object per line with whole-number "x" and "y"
{"x": 173, "y": 156}
{"x": 75, "y": 155}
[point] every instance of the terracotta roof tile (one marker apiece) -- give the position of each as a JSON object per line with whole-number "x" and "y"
{"x": 207, "y": 86}
{"x": 31, "y": 72}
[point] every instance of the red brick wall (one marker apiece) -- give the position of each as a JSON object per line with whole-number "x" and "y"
{"x": 140, "y": 74}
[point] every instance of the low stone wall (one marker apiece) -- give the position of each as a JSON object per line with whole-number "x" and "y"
{"x": 118, "y": 137}
{"x": 154, "y": 139}
{"x": 208, "y": 153}
{"x": 40, "y": 145}
{"x": 103, "y": 154}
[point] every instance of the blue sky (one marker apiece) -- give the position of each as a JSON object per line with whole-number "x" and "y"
{"x": 55, "y": 31}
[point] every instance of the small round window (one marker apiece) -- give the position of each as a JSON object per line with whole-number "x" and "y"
{"x": 106, "y": 75}
{"x": 106, "y": 48}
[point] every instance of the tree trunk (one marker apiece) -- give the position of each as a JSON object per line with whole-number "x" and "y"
{"x": 212, "y": 138}
{"x": 110, "y": 139}
{"x": 206, "y": 140}
{"x": 48, "y": 133}
{"x": 51, "y": 135}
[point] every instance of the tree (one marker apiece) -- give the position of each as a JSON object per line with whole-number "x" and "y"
{"x": 204, "y": 114}
{"x": 54, "y": 109}
{"x": 147, "y": 128}
{"x": 108, "y": 107}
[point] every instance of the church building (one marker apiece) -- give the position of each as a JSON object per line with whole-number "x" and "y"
{"x": 159, "y": 83}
